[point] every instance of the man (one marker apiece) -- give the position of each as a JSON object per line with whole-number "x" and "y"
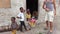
{"x": 21, "y": 17}
{"x": 49, "y": 6}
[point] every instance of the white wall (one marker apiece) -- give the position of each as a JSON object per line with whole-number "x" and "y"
{"x": 7, "y": 13}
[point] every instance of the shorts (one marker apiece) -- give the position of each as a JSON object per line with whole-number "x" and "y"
{"x": 49, "y": 16}
{"x": 14, "y": 31}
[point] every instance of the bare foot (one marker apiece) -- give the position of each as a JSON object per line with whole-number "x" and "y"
{"x": 51, "y": 31}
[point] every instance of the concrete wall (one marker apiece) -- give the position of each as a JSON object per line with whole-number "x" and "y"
{"x": 7, "y": 13}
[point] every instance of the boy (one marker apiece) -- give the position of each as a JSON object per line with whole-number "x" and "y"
{"x": 21, "y": 17}
{"x": 13, "y": 25}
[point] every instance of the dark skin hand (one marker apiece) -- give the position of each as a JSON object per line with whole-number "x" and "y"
{"x": 19, "y": 17}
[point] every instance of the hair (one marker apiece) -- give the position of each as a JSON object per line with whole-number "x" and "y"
{"x": 21, "y": 8}
{"x": 28, "y": 11}
{"x": 13, "y": 18}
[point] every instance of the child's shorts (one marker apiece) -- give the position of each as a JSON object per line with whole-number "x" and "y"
{"x": 13, "y": 31}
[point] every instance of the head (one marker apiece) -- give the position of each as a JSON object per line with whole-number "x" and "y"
{"x": 21, "y": 9}
{"x": 28, "y": 11}
{"x": 13, "y": 19}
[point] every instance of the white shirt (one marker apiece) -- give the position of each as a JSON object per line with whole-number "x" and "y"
{"x": 21, "y": 15}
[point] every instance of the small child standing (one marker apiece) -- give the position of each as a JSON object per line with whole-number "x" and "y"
{"x": 28, "y": 15}
{"x": 13, "y": 25}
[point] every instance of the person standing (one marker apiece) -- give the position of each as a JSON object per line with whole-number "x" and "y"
{"x": 21, "y": 17}
{"x": 50, "y": 7}
{"x": 28, "y": 17}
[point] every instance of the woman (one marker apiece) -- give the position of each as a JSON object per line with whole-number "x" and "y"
{"x": 49, "y": 6}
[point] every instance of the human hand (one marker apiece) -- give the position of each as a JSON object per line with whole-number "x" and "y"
{"x": 55, "y": 13}
{"x": 47, "y": 9}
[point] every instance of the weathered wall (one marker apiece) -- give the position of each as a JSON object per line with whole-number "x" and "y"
{"x": 7, "y": 13}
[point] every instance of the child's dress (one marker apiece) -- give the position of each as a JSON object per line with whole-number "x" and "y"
{"x": 28, "y": 16}
{"x": 32, "y": 22}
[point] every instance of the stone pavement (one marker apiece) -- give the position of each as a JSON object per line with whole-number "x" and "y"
{"x": 40, "y": 28}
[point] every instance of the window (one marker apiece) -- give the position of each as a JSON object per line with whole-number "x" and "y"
{"x": 5, "y": 4}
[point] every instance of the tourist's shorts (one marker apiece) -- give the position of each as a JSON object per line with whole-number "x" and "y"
{"x": 49, "y": 16}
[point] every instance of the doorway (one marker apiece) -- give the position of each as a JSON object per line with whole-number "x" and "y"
{"x": 33, "y": 6}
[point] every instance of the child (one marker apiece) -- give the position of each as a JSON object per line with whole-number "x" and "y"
{"x": 28, "y": 15}
{"x": 32, "y": 22}
{"x": 13, "y": 25}
{"x": 22, "y": 19}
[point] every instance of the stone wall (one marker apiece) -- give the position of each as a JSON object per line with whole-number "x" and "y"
{"x": 7, "y": 13}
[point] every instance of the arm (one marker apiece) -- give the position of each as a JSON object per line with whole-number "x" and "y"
{"x": 18, "y": 16}
{"x": 54, "y": 7}
{"x": 11, "y": 27}
{"x": 44, "y": 6}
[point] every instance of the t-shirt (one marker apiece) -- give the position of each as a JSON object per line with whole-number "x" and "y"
{"x": 28, "y": 15}
{"x": 21, "y": 15}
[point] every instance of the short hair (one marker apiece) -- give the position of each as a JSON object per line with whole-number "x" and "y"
{"x": 21, "y": 8}
{"x": 13, "y": 18}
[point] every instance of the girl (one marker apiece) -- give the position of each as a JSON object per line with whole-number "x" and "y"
{"x": 32, "y": 22}
{"x": 28, "y": 15}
